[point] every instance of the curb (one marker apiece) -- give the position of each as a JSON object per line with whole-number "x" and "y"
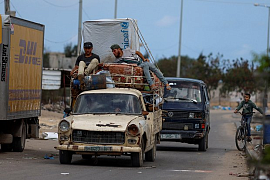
{"x": 250, "y": 148}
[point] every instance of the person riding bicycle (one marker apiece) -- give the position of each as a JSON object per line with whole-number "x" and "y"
{"x": 247, "y": 112}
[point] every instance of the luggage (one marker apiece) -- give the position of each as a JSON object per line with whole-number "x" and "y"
{"x": 129, "y": 76}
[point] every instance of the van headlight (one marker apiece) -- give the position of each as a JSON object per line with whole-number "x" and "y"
{"x": 196, "y": 115}
{"x": 64, "y": 126}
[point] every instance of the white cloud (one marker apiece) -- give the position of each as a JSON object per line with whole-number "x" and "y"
{"x": 167, "y": 21}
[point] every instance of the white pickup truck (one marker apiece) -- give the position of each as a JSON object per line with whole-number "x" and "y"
{"x": 111, "y": 122}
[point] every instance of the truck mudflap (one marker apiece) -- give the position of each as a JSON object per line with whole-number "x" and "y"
{"x": 98, "y": 148}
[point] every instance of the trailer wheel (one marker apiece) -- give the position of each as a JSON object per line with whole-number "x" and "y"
{"x": 65, "y": 157}
{"x": 19, "y": 142}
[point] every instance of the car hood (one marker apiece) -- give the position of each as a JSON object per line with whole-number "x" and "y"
{"x": 111, "y": 122}
{"x": 182, "y": 106}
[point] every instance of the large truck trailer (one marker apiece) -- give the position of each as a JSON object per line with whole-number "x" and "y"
{"x": 21, "y": 47}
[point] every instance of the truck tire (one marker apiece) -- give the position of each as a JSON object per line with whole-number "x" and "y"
{"x": 65, "y": 157}
{"x": 151, "y": 155}
{"x": 6, "y": 147}
{"x": 137, "y": 158}
{"x": 19, "y": 142}
{"x": 203, "y": 144}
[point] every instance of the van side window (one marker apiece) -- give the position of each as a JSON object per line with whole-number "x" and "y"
{"x": 206, "y": 94}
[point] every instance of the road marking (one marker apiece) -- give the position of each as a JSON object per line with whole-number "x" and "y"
{"x": 196, "y": 171}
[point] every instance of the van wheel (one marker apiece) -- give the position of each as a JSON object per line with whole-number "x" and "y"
{"x": 203, "y": 144}
{"x": 151, "y": 155}
{"x": 65, "y": 157}
{"x": 137, "y": 158}
{"x": 19, "y": 142}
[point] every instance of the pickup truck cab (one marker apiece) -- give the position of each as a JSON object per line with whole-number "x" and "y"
{"x": 186, "y": 112}
{"x": 111, "y": 122}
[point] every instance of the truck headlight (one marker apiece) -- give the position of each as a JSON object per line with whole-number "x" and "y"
{"x": 64, "y": 126}
{"x": 133, "y": 130}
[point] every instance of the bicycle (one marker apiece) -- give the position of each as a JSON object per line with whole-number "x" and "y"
{"x": 241, "y": 134}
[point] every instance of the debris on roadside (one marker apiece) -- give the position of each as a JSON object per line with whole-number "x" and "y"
{"x": 65, "y": 173}
{"x": 48, "y": 157}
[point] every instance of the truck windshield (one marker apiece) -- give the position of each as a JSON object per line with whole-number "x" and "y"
{"x": 107, "y": 104}
{"x": 183, "y": 91}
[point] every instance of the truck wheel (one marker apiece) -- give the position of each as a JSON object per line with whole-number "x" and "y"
{"x": 151, "y": 155}
{"x": 6, "y": 147}
{"x": 137, "y": 158}
{"x": 65, "y": 157}
{"x": 203, "y": 143}
{"x": 19, "y": 142}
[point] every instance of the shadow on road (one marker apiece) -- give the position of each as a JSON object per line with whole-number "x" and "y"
{"x": 177, "y": 148}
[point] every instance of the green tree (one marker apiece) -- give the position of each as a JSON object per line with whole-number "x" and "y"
{"x": 70, "y": 50}
{"x": 168, "y": 66}
{"x": 46, "y": 63}
{"x": 239, "y": 76}
{"x": 207, "y": 69}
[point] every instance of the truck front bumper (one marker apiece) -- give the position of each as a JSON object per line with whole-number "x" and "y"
{"x": 102, "y": 149}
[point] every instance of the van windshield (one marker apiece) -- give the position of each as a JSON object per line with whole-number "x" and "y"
{"x": 183, "y": 91}
{"x": 107, "y": 103}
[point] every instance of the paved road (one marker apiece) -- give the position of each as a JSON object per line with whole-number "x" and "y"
{"x": 174, "y": 160}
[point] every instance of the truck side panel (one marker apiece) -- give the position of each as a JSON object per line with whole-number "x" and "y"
{"x": 21, "y": 74}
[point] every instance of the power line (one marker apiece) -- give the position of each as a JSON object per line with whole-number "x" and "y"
{"x": 86, "y": 13}
{"x": 59, "y": 5}
{"x": 15, "y": 9}
{"x": 57, "y": 42}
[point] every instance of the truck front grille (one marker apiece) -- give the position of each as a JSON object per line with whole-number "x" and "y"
{"x": 97, "y": 137}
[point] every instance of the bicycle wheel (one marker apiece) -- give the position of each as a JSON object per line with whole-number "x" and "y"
{"x": 240, "y": 138}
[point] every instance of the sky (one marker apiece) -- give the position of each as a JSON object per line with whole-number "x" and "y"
{"x": 233, "y": 28}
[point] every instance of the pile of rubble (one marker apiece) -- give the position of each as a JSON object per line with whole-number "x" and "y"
{"x": 55, "y": 107}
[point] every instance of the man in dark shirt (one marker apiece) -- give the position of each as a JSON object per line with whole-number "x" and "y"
{"x": 86, "y": 62}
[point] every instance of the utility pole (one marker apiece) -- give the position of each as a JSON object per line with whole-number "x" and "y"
{"x": 115, "y": 10}
{"x": 180, "y": 36}
{"x": 79, "y": 29}
{"x": 7, "y": 7}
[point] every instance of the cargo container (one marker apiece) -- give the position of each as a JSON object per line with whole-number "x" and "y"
{"x": 21, "y": 46}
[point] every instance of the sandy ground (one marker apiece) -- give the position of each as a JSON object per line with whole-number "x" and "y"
{"x": 48, "y": 121}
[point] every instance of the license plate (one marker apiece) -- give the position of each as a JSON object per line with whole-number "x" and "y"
{"x": 170, "y": 136}
{"x": 97, "y": 148}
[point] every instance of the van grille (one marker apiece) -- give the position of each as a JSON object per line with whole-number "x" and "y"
{"x": 97, "y": 137}
{"x": 176, "y": 126}
{"x": 177, "y": 114}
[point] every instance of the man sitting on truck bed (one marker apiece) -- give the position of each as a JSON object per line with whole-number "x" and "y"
{"x": 86, "y": 62}
{"x": 130, "y": 56}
